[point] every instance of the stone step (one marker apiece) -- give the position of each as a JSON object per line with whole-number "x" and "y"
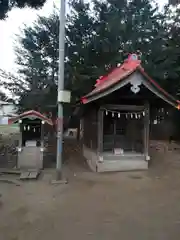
{"x": 124, "y": 165}
{"x": 112, "y": 157}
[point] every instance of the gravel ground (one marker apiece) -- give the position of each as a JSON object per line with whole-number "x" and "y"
{"x": 128, "y": 206}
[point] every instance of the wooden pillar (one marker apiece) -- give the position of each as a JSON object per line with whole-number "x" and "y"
{"x": 81, "y": 130}
{"x": 78, "y": 131}
{"x": 42, "y": 134}
{"x": 146, "y": 130}
{"x": 20, "y": 137}
{"x": 100, "y": 130}
{"x": 114, "y": 135}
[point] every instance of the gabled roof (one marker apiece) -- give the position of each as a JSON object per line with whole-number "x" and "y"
{"x": 31, "y": 114}
{"x": 119, "y": 74}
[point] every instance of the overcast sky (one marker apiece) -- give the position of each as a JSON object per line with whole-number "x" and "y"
{"x": 16, "y": 20}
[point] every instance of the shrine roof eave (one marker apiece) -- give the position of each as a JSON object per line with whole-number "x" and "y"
{"x": 119, "y": 80}
{"x": 31, "y": 115}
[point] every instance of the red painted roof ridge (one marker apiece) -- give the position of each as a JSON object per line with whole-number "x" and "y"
{"x": 128, "y": 65}
{"x": 121, "y": 72}
{"x": 28, "y": 113}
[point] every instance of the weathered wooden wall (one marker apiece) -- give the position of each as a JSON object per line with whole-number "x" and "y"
{"x": 163, "y": 131}
{"x": 90, "y": 129}
{"x": 166, "y": 126}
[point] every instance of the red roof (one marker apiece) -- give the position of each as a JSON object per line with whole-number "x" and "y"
{"x": 120, "y": 73}
{"x": 30, "y": 114}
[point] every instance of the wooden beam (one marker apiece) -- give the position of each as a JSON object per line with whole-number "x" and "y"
{"x": 123, "y": 107}
{"x": 146, "y": 129}
{"x": 20, "y": 136}
{"x": 100, "y": 130}
{"x": 42, "y": 135}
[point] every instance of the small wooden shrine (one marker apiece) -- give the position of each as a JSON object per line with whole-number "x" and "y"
{"x": 116, "y": 120}
{"x": 31, "y": 143}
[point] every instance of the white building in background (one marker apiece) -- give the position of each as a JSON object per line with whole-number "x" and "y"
{"x": 7, "y": 109}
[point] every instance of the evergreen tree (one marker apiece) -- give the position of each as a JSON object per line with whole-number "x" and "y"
{"x": 37, "y": 58}
{"x": 7, "y": 5}
{"x": 128, "y": 27}
{"x": 171, "y": 62}
{"x": 97, "y": 38}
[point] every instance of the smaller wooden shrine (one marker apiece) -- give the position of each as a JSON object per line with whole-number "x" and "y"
{"x": 31, "y": 143}
{"x": 115, "y": 125}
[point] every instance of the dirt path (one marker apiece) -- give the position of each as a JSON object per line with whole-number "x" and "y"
{"x": 128, "y": 206}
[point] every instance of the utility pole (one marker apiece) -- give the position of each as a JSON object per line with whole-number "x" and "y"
{"x": 62, "y": 20}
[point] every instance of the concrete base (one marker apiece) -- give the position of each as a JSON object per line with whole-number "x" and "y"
{"x": 30, "y": 158}
{"x": 91, "y": 157}
{"x": 111, "y": 162}
{"x": 122, "y": 165}
{"x": 63, "y": 181}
